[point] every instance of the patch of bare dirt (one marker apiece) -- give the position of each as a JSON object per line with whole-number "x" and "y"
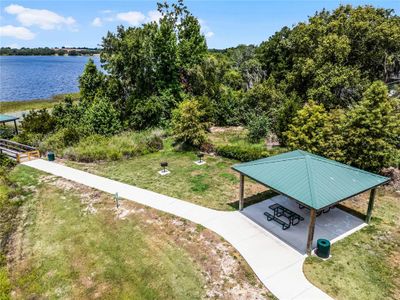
{"x": 216, "y": 129}
{"x": 226, "y": 274}
{"x": 394, "y": 174}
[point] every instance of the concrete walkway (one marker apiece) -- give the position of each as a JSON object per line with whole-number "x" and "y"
{"x": 275, "y": 263}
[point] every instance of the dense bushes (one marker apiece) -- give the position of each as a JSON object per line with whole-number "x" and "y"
{"x": 38, "y": 121}
{"x": 241, "y": 152}
{"x": 101, "y": 117}
{"x": 5, "y": 162}
{"x": 258, "y": 127}
{"x": 6, "y": 132}
{"x": 124, "y": 145}
{"x": 61, "y": 139}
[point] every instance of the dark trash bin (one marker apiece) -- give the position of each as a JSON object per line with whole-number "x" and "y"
{"x": 323, "y": 248}
{"x": 51, "y": 156}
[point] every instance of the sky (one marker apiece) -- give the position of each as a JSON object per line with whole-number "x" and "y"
{"x": 77, "y": 23}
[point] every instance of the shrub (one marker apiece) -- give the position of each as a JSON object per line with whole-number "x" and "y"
{"x": 187, "y": 126}
{"x": 6, "y": 132}
{"x": 284, "y": 116}
{"x": 154, "y": 142}
{"x": 242, "y": 152}
{"x": 90, "y": 82}
{"x": 146, "y": 113}
{"x": 58, "y": 141}
{"x": 27, "y": 138}
{"x": 125, "y": 145}
{"x": 67, "y": 113}
{"x": 102, "y": 118}
{"x": 38, "y": 121}
{"x": 258, "y": 128}
{"x": 6, "y": 162}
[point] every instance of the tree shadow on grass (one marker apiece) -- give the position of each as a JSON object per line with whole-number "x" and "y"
{"x": 253, "y": 199}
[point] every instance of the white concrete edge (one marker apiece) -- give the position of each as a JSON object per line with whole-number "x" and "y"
{"x": 346, "y": 234}
{"x": 266, "y": 232}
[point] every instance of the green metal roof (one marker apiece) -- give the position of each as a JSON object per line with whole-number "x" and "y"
{"x": 7, "y": 118}
{"x": 310, "y": 179}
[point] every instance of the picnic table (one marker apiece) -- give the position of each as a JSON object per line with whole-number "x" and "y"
{"x": 280, "y": 211}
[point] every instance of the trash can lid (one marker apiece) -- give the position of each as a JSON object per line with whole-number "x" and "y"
{"x": 323, "y": 242}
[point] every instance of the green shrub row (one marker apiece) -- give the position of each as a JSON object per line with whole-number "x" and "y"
{"x": 241, "y": 152}
{"x": 244, "y": 153}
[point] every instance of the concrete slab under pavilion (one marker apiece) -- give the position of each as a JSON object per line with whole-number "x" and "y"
{"x": 315, "y": 182}
{"x": 333, "y": 225}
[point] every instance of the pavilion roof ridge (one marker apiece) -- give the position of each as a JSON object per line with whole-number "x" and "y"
{"x": 343, "y": 165}
{"x": 264, "y": 161}
{"x": 310, "y": 179}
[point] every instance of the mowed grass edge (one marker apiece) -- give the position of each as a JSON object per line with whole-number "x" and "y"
{"x": 366, "y": 264}
{"x": 72, "y": 243}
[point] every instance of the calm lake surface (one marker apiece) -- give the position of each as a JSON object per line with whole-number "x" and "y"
{"x": 34, "y": 77}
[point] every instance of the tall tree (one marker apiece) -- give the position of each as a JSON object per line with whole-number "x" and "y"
{"x": 152, "y": 60}
{"x": 372, "y": 130}
{"x": 90, "y": 82}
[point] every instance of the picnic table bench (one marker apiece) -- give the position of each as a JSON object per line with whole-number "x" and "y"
{"x": 280, "y": 211}
{"x": 325, "y": 210}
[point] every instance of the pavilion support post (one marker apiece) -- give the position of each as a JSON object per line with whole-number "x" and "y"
{"x": 370, "y": 205}
{"x": 241, "y": 192}
{"x": 311, "y": 228}
{"x": 16, "y": 127}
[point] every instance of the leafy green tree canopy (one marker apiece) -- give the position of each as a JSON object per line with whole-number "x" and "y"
{"x": 373, "y": 129}
{"x": 90, "y": 82}
{"x": 155, "y": 57}
{"x": 333, "y": 57}
{"x": 187, "y": 125}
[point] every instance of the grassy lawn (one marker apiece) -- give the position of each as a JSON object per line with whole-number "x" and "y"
{"x": 365, "y": 265}
{"x": 13, "y": 106}
{"x": 212, "y": 185}
{"x": 71, "y": 242}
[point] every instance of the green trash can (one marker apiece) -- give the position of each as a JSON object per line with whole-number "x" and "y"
{"x": 323, "y": 248}
{"x": 51, "y": 156}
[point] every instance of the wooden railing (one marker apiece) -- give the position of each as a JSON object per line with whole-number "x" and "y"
{"x": 18, "y": 151}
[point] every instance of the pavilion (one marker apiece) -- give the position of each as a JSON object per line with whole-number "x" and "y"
{"x": 313, "y": 181}
{"x": 6, "y": 118}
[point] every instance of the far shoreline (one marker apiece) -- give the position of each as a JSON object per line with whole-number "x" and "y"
{"x": 26, "y": 105}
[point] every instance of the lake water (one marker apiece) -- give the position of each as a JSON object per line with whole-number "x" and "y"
{"x": 34, "y": 77}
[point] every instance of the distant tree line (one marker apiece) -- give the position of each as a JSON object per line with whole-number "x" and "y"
{"x": 7, "y": 51}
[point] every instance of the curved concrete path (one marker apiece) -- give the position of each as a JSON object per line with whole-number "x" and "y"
{"x": 275, "y": 263}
